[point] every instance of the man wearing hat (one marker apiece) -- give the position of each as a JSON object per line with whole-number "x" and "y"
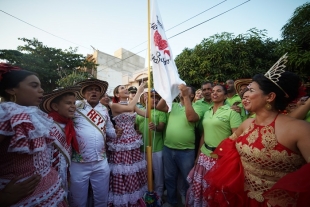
{"x": 241, "y": 84}
{"x": 60, "y": 105}
{"x": 92, "y": 126}
{"x": 132, "y": 92}
{"x": 157, "y": 127}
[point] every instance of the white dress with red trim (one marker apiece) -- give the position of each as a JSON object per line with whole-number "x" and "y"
{"x": 128, "y": 168}
{"x": 23, "y": 152}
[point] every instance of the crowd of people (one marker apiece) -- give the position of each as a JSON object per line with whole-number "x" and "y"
{"x": 243, "y": 143}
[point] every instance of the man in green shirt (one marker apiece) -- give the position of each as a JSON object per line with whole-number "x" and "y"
{"x": 179, "y": 142}
{"x": 206, "y": 102}
{"x": 233, "y": 99}
{"x": 157, "y": 126}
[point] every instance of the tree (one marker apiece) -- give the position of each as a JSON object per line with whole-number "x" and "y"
{"x": 225, "y": 56}
{"x": 49, "y": 63}
{"x": 296, "y": 41}
{"x": 73, "y": 78}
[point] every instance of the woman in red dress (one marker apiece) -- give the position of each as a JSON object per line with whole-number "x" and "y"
{"x": 264, "y": 161}
{"x": 24, "y": 137}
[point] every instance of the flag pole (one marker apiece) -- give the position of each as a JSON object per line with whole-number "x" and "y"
{"x": 149, "y": 147}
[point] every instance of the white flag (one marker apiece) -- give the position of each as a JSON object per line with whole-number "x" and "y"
{"x": 165, "y": 73}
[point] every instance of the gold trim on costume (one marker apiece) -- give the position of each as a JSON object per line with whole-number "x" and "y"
{"x": 263, "y": 164}
{"x": 233, "y": 136}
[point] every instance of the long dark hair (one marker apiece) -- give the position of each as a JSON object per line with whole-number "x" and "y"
{"x": 288, "y": 81}
{"x": 11, "y": 79}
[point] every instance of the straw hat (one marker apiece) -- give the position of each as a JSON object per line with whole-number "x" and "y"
{"x": 103, "y": 85}
{"x": 45, "y": 105}
{"x": 145, "y": 92}
{"x": 240, "y": 82}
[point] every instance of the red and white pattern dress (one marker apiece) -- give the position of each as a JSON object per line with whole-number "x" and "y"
{"x": 128, "y": 169}
{"x": 24, "y": 152}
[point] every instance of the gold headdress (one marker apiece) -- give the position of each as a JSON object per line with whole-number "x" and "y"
{"x": 274, "y": 73}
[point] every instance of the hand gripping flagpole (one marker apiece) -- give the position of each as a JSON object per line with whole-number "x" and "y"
{"x": 150, "y": 197}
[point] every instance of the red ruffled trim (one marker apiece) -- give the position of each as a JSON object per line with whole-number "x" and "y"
{"x": 20, "y": 141}
{"x": 294, "y": 186}
{"x": 226, "y": 178}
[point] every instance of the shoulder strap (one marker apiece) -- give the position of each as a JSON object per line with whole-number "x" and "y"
{"x": 99, "y": 124}
{"x": 60, "y": 147}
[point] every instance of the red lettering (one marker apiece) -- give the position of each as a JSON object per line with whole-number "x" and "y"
{"x": 94, "y": 117}
{"x": 100, "y": 121}
{"x": 91, "y": 113}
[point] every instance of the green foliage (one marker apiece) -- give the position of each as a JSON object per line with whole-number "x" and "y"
{"x": 225, "y": 56}
{"x": 296, "y": 41}
{"x": 73, "y": 78}
{"x": 297, "y": 29}
{"x": 51, "y": 64}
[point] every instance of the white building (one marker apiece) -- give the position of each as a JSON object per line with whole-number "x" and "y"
{"x": 124, "y": 68}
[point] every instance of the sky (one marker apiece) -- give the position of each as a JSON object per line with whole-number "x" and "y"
{"x": 108, "y": 25}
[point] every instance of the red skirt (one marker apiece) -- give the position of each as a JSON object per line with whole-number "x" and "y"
{"x": 226, "y": 183}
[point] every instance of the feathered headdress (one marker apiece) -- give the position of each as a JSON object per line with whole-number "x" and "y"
{"x": 274, "y": 73}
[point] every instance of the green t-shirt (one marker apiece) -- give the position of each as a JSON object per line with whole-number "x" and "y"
{"x": 180, "y": 133}
{"x": 232, "y": 100}
{"x": 143, "y": 123}
{"x": 218, "y": 126}
{"x": 204, "y": 106}
{"x": 307, "y": 118}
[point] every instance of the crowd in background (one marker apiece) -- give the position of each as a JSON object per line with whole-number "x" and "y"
{"x": 242, "y": 143}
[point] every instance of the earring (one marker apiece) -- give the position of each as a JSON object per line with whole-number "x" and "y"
{"x": 13, "y": 98}
{"x": 268, "y": 106}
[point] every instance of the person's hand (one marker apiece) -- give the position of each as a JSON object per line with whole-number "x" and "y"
{"x": 118, "y": 131}
{"x": 236, "y": 108}
{"x": 184, "y": 90}
{"x": 13, "y": 192}
{"x": 141, "y": 87}
{"x": 152, "y": 126}
{"x": 303, "y": 100}
{"x": 138, "y": 131}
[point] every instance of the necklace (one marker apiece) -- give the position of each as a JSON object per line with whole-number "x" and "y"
{"x": 123, "y": 102}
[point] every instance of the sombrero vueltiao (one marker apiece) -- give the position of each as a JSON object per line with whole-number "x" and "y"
{"x": 240, "y": 82}
{"x": 103, "y": 85}
{"x": 45, "y": 105}
{"x": 146, "y": 91}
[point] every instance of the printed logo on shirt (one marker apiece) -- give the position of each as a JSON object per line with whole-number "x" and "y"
{"x": 223, "y": 119}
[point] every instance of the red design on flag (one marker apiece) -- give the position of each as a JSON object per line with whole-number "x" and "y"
{"x": 165, "y": 73}
{"x": 162, "y": 44}
{"x": 167, "y": 52}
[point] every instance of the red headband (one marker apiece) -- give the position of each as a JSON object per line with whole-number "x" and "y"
{"x": 5, "y": 68}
